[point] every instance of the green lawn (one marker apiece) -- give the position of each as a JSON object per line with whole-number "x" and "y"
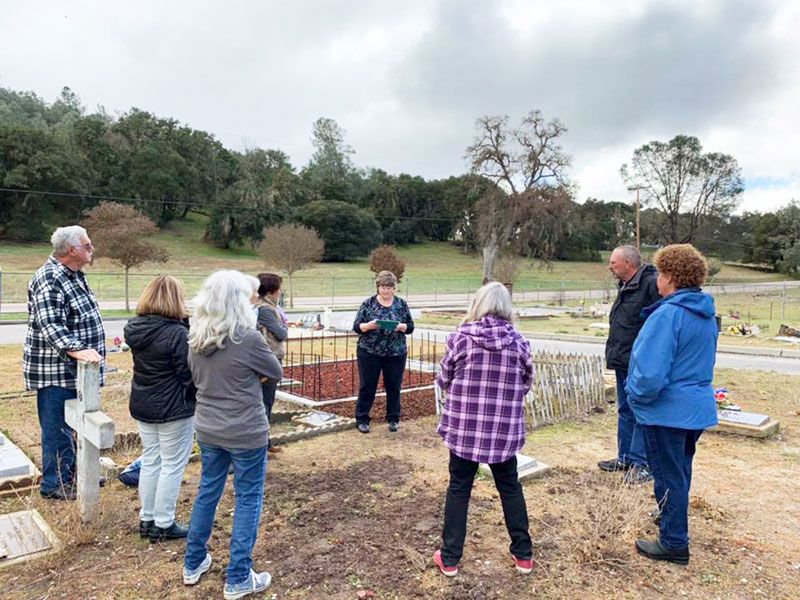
{"x": 432, "y": 267}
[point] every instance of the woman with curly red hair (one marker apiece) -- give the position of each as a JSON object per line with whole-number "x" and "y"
{"x": 670, "y": 392}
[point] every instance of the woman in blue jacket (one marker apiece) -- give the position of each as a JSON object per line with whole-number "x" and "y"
{"x": 670, "y": 391}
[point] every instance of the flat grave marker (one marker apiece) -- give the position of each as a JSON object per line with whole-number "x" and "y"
{"x": 527, "y": 468}
{"x": 24, "y": 535}
{"x": 746, "y": 423}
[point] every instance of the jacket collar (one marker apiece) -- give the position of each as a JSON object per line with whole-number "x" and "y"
{"x": 634, "y": 282}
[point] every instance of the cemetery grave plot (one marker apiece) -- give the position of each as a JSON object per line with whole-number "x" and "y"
{"x": 322, "y": 372}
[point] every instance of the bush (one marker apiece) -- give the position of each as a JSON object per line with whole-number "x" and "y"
{"x": 348, "y": 231}
{"x": 384, "y": 258}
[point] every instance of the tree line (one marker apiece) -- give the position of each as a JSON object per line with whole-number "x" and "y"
{"x": 58, "y": 160}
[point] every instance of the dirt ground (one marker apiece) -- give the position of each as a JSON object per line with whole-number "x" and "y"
{"x": 350, "y": 516}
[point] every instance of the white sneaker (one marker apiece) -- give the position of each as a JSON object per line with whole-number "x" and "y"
{"x": 192, "y": 576}
{"x": 257, "y": 582}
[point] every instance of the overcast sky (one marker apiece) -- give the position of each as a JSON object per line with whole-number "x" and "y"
{"x": 407, "y": 80}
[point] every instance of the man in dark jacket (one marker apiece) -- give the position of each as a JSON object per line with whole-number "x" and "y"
{"x": 637, "y": 290}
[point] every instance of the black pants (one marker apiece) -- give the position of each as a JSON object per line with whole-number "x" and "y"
{"x": 462, "y": 474}
{"x": 268, "y": 396}
{"x": 370, "y": 367}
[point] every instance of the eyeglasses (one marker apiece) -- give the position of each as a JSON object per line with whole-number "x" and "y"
{"x": 88, "y": 247}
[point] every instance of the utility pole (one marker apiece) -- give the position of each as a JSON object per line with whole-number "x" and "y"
{"x": 638, "y": 227}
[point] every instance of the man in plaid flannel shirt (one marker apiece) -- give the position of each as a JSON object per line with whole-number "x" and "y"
{"x": 64, "y": 326}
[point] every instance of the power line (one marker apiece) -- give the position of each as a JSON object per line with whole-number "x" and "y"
{"x": 79, "y": 196}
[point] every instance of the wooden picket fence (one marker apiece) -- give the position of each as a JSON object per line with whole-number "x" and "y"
{"x": 565, "y": 386}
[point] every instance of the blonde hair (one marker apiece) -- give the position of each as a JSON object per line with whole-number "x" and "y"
{"x": 491, "y": 299}
{"x": 386, "y": 278}
{"x": 222, "y": 311}
{"x": 164, "y": 296}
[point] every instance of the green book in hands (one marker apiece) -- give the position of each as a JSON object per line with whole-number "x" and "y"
{"x": 387, "y": 325}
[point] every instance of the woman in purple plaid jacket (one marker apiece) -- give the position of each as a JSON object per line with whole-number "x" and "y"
{"x": 486, "y": 373}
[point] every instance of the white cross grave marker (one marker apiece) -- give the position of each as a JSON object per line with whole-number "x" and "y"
{"x": 94, "y": 431}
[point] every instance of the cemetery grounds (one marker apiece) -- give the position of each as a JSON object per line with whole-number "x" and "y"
{"x": 350, "y": 516}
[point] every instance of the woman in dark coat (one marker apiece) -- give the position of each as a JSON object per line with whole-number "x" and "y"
{"x": 381, "y": 350}
{"x": 272, "y": 325}
{"x": 162, "y": 402}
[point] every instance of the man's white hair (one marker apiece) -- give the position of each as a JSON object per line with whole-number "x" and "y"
{"x": 631, "y": 254}
{"x": 65, "y": 238}
{"x": 222, "y": 311}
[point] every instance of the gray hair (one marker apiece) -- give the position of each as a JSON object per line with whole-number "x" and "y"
{"x": 222, "y": 311}
{"x": 492, "y": 299}
{"x": 65, "y": 238}
{"x": 631, "y": 254}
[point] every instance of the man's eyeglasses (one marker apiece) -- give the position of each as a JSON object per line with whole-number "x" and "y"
{"x": 88, "y": 247}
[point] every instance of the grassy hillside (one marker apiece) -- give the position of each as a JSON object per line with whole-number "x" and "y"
{"x": 430, "y": 267}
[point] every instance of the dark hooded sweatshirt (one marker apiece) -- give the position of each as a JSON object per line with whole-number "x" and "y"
{"x": 162, "y": 389}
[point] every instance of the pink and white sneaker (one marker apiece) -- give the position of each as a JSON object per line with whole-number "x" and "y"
{"x": 447, "y": 571}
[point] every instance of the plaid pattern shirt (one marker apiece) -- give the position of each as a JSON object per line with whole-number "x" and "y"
{"x": 63, "y": 316}
{"x": 486, "y": 372}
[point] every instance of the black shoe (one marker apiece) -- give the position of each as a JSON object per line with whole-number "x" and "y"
{"x": 656, "y": 551}
{"x": 145, "y": 527}
{"x": 638, "y": 475}
{"x": 61, "y": 493}
{"x": 393, "y": 425}
{"x": 173, "y": 532}
{"x": 363, "y": 427}
{"x": 613, "y": 465}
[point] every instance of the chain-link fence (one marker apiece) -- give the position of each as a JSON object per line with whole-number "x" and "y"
{"x": 778, "y": 298}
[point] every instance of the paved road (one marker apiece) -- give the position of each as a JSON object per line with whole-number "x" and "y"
{"x": 15, "y": 334}
{"x": 463, "y": 299}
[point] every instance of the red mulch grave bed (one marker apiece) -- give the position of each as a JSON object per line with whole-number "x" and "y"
{"x": 413, "y": 404}
{"x": 331, "y": 380}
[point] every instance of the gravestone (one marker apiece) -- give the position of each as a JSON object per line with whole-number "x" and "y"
{"x": 17, "y": 473}
{"x": 742, "y": 417}
{"x": 13, "y": 461}
{"x": 527, "y": 468}
{"x": 24, "y": 535}
{"x": 94, "y": 430}
{"x": 746, "y": 423}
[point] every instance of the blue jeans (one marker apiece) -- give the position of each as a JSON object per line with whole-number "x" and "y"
{"x": 58, "y": 448}
{"x": 249, "y": 470}
{"x": 630, "y": 444}
{"x": 670, "y": 452}
{"x": 165, "y": 452}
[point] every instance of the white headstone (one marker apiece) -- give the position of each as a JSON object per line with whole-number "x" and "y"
{"x": 13, "y": 461}
{"x": 743, "y": 418}
{"x": 527, "y": 468}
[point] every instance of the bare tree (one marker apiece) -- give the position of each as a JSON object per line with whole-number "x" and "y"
{"x": 520, "y": 160}
{"x": 685, "y": 185}
{"x": 291, "y": 248}
{"x": 384, "y": 258}
{"x": 118, "y": 233}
